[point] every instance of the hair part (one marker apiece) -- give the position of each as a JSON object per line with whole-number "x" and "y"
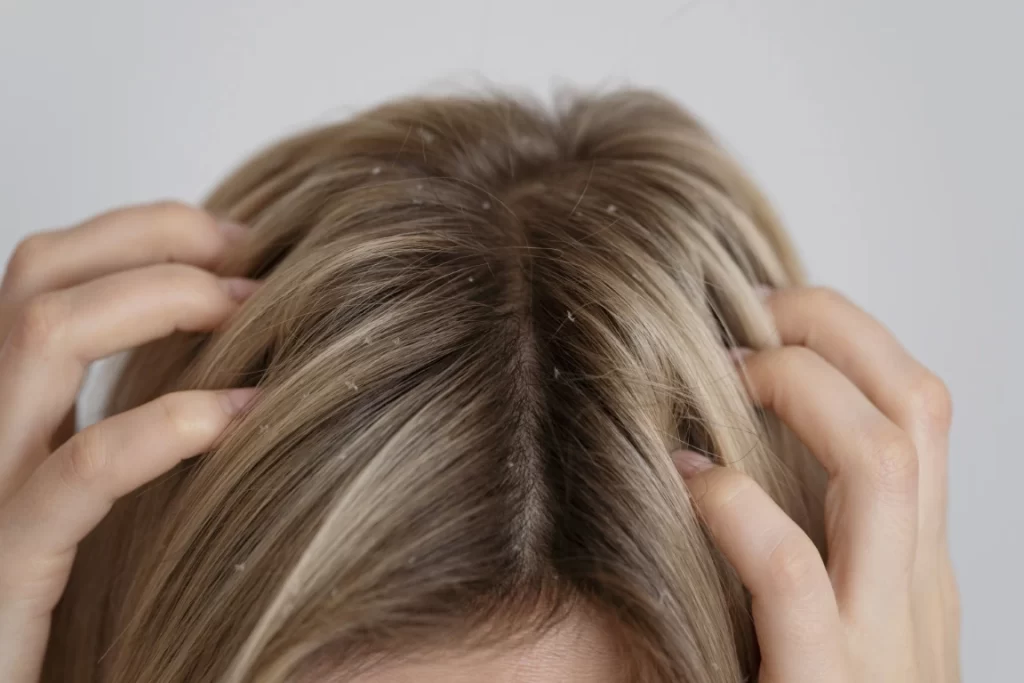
{"x": 484, "y": 326}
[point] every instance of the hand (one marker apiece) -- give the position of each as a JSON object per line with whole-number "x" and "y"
{"x": 886, "y": 607}
{"x": 70, "y": 297}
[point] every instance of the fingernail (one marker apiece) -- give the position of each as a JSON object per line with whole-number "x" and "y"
{"x": 690, "y": 463}
{"x": 738, "y": 353}
{"x": 239, "y": 288}
{"x": 763, "y": 291}
{"x": 237, "y": 400}
{"x": 232, "y": 230}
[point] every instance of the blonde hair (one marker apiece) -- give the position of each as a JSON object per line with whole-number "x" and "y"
{"x": 484, "y": 327}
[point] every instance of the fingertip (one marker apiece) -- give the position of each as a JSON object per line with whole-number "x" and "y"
{"x": 691, "y": 463}
{"x": 239, "y": 288}
{"x": 235, "y": 401}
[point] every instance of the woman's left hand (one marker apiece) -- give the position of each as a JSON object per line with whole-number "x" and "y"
{"x": 885, "y": 609}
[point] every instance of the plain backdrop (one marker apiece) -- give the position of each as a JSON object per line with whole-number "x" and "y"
{"x": 887, "y": 132}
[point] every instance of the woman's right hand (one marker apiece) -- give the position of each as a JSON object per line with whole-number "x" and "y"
{"x": 885, "y": 609}
{"x": 70, "y": 297}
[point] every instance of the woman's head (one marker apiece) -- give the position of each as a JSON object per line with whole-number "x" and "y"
{"x": 484, "y": 328}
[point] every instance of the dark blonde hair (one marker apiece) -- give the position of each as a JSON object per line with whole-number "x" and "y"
{"x": 484, "y": 327}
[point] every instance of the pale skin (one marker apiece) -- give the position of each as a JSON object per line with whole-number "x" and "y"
{"x": 883, "y": 609}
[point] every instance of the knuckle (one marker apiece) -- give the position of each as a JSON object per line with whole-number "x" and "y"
{"x": 791, "y": 359}
{"x": 793, "y": 566}
{"x": 26, "y": 256}
{"x": 931, "y": 401}
{"x": 84, "y": 459}
{"x": 39, "y": 323}
{"x": 824, "y": 297}
{"x": 894, "y": 462}
{"x": 949, "y": 593}
{"x": 955, "y": 604}
{"x": 779, "y": 381}
{"x": 175, "y": 209}
{"x": 177, "y": 212}
{"x": 176, "y": 410}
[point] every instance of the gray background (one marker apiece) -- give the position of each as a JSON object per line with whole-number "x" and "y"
{"x": 888, "y": 132}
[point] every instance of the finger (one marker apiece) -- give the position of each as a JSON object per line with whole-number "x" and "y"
{"x": 118, "y": 240}
{"x": 58, "y": 334}
{"x": 794, "y": 609}
{"x": 866, "y": 352}
{"x": 67, "y": 496}
{"x": 871, "y": 513}
{"x": 74, "y": 488}
{"x": 902, "y": 388}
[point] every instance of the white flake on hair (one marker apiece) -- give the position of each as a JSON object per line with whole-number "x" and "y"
{"x": 376, "y": 170}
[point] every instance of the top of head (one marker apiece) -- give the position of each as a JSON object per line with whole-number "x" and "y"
{"x": 483, "y": 328}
